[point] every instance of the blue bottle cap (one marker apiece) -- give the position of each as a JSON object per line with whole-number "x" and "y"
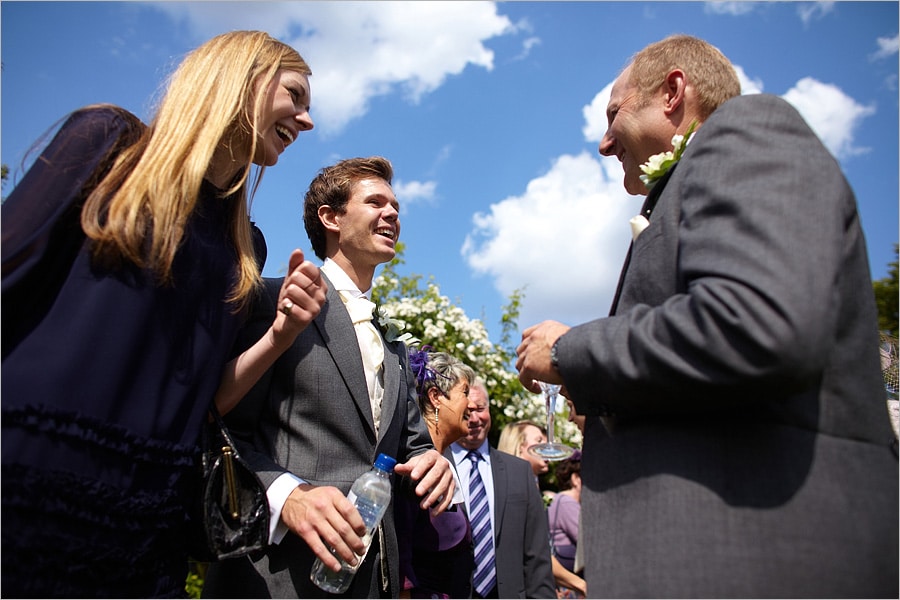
{"x": 385, "y": 462}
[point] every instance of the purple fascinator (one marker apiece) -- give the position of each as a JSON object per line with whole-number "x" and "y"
{"x": 418, "y": 362}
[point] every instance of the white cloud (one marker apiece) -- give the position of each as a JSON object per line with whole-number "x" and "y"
{"x": 413, "y": 192}
{"x": 563, "y": 240}
{"x": 729, "y": 8}
{"x": 832, "y": 114}
{"x": 527, "y": 45}
{"x": 595, "y": 121}
{"x": 813, "y": 10}
{"x": 748, "y": 86}
{"x": 887, "y": 47}
{"x": 361, "y": 50}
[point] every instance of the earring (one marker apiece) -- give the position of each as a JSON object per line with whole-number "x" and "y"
{"x": 436, "y": 409}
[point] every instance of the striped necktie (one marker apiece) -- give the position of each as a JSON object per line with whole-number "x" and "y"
{"x": 485, "y": 574}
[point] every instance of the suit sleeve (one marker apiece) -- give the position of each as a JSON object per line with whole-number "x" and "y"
{"x": 415, "y": 433}
{"x": 243, "y": 420}
{"x": 764, "y": 212}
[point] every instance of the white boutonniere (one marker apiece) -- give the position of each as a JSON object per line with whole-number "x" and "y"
{"x": 659, "y": 164}
{"x": 392, "y": 329}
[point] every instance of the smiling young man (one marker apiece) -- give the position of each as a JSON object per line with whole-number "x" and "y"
{"x": 319, "y": 417}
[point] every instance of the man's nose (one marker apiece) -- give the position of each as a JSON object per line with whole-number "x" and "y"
{"x": 607, "y": 144}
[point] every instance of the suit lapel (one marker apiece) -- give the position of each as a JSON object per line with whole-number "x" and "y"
{"x": 646, "y": 209}
{"x": 393, "y": 374}
{"x": 336, "y": 329}
{"x": 501, "y": 490}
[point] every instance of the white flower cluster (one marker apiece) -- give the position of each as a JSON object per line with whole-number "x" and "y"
{"x": 659, "y": 164}
{"x": 443, "y": 325}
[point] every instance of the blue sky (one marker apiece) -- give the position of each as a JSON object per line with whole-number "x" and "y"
{"x": 490, "y": 112}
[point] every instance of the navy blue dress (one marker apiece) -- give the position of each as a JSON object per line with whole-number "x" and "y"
{"x": 106, "y": 379}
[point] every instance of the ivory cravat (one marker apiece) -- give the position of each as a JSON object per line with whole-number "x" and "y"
{"x": 370, "y": 346}
{"x": 485, "y": 576}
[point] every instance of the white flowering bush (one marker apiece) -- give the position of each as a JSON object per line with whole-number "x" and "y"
{"x": 419, "y": 309}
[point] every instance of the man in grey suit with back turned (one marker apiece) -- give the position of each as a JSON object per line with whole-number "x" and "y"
{"x": 521, "y": 531}
{"x": 320, "y": 416}
{"x": 742, "y": 447}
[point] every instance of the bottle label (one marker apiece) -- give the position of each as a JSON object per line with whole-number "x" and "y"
{"x": 368, "y": 510}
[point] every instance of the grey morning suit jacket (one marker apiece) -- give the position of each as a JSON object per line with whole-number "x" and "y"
{"x": 744, "y": 446}
{"x": 310, "y": 415}
{"x": 521, "y": 530}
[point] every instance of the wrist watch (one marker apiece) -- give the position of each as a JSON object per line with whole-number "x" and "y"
{"x": 554, "y": 354}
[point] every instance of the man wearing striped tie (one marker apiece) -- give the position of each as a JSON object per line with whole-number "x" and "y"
{"x": 509, "y": 525}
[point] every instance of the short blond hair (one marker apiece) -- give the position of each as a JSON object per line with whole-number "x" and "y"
{"x": 708, "y": 70}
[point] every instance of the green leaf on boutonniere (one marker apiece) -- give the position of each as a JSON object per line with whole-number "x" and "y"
{"x": 392, "y": 329}
{"x": 659, "y": 164}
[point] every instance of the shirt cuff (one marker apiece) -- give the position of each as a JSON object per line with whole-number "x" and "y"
{"x": 277, "y": 495}
{"x": 458, "y": 495}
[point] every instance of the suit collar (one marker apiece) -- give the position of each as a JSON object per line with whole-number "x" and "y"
{"x": 646, "y": 210}
{"x": 337, "y": 331}
{"x": 653, "y": 197}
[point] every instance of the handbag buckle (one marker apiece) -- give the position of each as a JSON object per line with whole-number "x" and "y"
{"x": 227, "y": 454}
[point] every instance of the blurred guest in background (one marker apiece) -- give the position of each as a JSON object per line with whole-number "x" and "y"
{"x": 517, "y": 562}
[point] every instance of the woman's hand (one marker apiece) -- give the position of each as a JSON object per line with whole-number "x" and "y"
{"x": 300, "y": 300}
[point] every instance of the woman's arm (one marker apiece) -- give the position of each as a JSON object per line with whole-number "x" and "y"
{"x": 567, "y": 578}
{"x": 305, "y": 289}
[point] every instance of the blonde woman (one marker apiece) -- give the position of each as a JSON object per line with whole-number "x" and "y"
{"x": 515, "y": 439}
{"x": 128, "y": 260}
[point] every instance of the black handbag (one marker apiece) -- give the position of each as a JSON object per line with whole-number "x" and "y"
{"x": 233, "y": 509}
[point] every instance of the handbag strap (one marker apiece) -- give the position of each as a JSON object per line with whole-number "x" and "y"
{"x": 223, "y": 430}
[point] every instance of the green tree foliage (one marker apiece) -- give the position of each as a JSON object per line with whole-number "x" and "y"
{"x": 193, "y": 586}
{"x": 887, "y": 294}
{"x": 437, "y": 322}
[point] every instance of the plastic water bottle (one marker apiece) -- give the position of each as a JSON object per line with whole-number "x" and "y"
{"x": 371, "y": 495}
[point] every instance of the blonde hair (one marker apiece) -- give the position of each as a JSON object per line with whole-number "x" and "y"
{"x": 708, "y": 71}
{"x": 139, "y": 211}
{"x": 513, "y": 436}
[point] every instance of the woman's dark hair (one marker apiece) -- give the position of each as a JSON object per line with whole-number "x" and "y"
{"x": 566, "y": 469}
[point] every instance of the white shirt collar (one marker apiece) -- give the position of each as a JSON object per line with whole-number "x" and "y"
{"x": 341, "y": 281}
{"x": 459, "y": 453}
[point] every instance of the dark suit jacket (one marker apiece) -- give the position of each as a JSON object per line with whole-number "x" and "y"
{"x": 744, "y": 445}
{"x": 521, "y": 530}
{"x": 310, "y": 415}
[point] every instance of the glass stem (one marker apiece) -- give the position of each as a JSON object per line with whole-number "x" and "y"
{"x": 551, "y": 409}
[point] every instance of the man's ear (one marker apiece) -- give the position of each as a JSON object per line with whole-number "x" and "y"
{"x": 674, "y": 85}
{"x": 329, "y": 218}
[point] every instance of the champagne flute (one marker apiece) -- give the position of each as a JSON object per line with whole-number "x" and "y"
{"x": 551, "y": 450}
